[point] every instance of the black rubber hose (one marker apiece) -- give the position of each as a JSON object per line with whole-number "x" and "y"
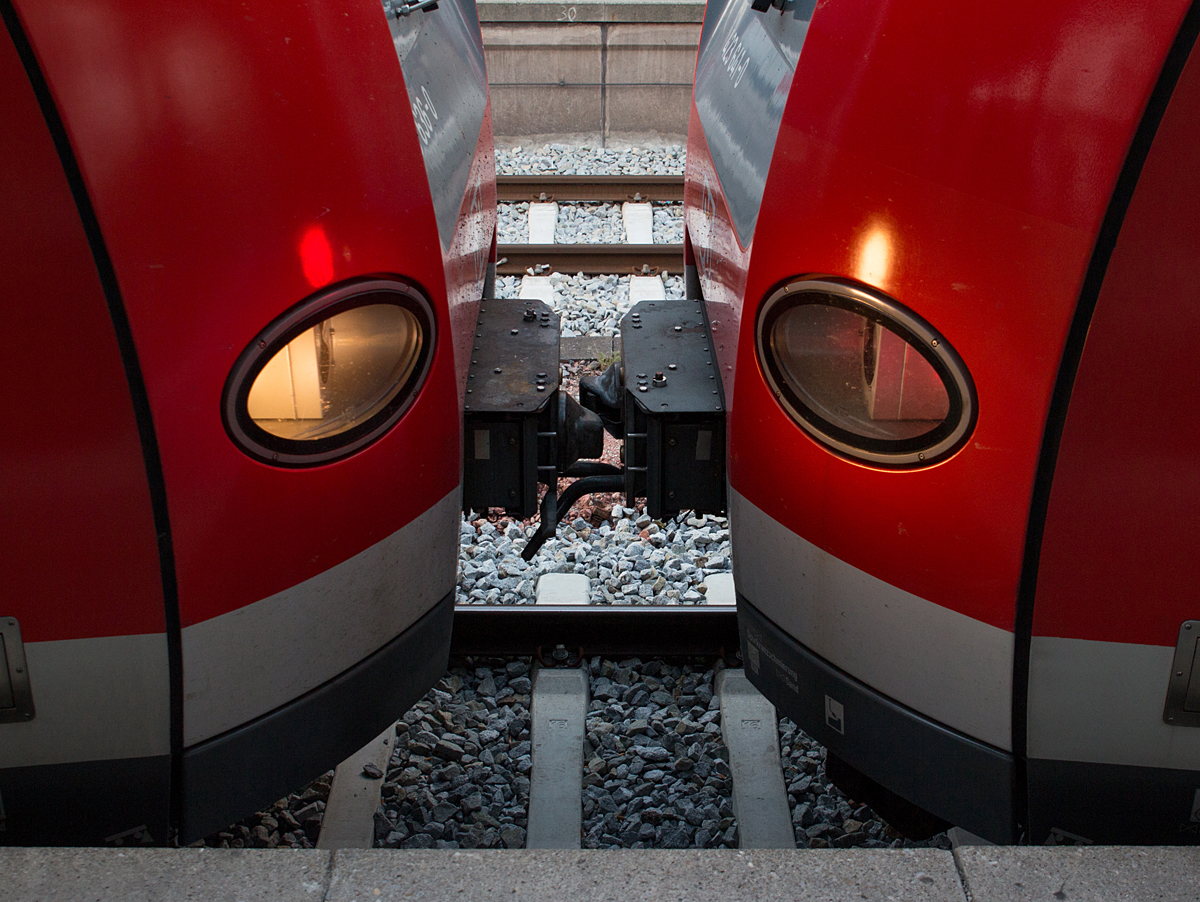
{"x": 551, "y": 505}
{"x": 582, "y": 468}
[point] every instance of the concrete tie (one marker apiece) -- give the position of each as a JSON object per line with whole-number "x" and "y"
{"x": 646, "y": 288}
{"x": 559, "y": 709}
{"x": 562, "y": 588}
{"x": 639, "y": 223}
{"x": 349, "y": 821}
{"x": 751, "y": 734}
{"x": 537, "y": 288}
{"x": 543, "y": 218}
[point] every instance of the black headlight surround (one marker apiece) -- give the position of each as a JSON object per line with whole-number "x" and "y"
{"x": 919, "y": 451}
{"x": 273, "y": 449}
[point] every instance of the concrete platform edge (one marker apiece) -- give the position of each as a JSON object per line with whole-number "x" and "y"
{"x": 991, "y": 874}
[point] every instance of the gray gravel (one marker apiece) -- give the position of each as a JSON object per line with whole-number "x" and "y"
{"x": 589, "y": 305}
{"x": 656, "y": 772}
{"x": 459, "y": 772}
{"x": 294, "y": 822}
{"x": 512, "y": 223}
{"x": 568, "y": 159}
{"x": 589, "y": 224}
{"x": 628, "y": 559}
{"x": 668, "y": 224}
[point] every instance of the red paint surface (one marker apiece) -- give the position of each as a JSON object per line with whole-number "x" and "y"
{"x": 1119, "y": 554}
{"x": 213, "y": 139}
{"x": 80, "y": 558}
{"x": 983, "y": 145}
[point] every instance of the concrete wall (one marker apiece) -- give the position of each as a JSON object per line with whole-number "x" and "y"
{"x": 605, "y": 69}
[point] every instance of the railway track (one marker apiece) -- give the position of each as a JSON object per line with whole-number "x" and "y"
{"x": 589, "y": 188}
{"x": 638, "y": 255}
{"x": 563, "y": 782}
{"x": 619, "y": 629}
{"x": 589, "y": 259}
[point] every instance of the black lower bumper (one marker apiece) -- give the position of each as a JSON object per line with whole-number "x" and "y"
{"x": 947, "y": 773}
{"x": 117, "y": 802}
{"x": 1074, "y": 802}
{"x": 228, "y": 777}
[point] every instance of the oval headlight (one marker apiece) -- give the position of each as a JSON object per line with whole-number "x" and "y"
{"x": 863, "y": 375}
{"x": 331, "y": 375}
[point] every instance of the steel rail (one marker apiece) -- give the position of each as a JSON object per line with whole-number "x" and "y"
{"x": 614, "y": 631}
{"x": 594, "y": 188}
{"x": 591, "y": 259}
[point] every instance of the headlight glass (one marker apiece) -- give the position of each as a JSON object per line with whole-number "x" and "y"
{"x": 331, "y": 375}
{"x": 863, "y": 375}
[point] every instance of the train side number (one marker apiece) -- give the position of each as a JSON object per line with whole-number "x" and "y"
{"x": 424, "y": 114}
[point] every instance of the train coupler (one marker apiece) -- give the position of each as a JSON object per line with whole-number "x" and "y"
{"x": 671, "y": 408}
{"x": 664, "y": 400}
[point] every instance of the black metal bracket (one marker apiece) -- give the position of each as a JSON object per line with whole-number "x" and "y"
{"x": 402, "y": 8}
{"x": 510, "y": 410}
{"x": 674, "y": 409}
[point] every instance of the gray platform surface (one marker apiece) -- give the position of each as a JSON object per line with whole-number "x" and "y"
{"x": 1083, "y": 874}
{"x": 648, "y": 876}
{"x": 163, "y": 875}
{"x": 991, "y": 874}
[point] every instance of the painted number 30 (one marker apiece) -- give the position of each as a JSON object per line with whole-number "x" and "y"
{"x": 425, "y": 114}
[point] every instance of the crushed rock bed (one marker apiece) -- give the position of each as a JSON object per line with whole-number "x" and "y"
{"x": 589, "y": 223}
{"x": 589, "y": 305}
{"x": 458, "y": 777}
{"x": 294, "y": 822}
{"x": 583, "y": 159}
{"x": 628, "y": 557}
{"x": 656, "y": 771}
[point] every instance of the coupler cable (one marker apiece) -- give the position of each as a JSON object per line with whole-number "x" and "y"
{"x": 552, "y": 504}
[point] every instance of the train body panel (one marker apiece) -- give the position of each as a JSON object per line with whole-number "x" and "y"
{"x": 950, "y": 169}
{"x": 720, "y": 262}
{"x": 744, "y": 70}
{"x": 1124, "y": 498}
{"x": 98, "y": 680}
{"x": 256, "y": 179}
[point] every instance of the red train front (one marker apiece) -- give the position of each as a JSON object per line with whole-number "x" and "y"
{"x": 949, "y": 256}
{"x": 240, "y": 247}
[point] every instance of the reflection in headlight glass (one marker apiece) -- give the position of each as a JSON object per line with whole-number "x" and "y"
{"x": 857, "y": 374}
{"x": 337, "y": 374}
